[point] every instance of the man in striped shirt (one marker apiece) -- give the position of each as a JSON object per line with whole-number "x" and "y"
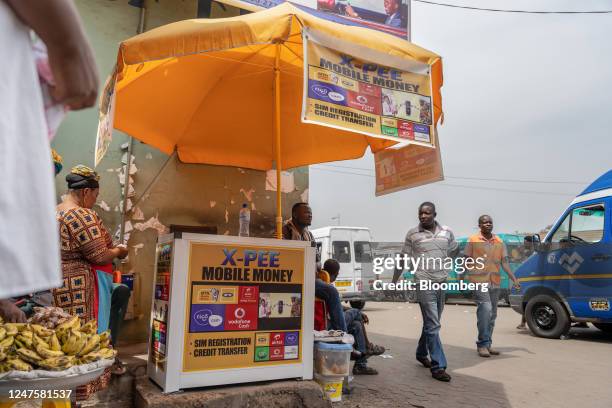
{"x": 433, "y": 244}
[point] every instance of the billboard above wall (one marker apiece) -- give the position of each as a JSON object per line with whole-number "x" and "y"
{"x": 390, "y": 16}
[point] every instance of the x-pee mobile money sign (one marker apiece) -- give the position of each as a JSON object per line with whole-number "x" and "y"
{"x": 357, "y": 94}
{"x": 244, "y": 306}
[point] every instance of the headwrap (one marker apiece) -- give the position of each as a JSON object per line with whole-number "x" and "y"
{"x": 57, "y": 161}
{"x": 82, "y": 177}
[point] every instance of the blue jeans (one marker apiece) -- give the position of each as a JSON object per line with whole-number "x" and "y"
{"x": 354, "y": 324}
{"x": 432, "y": 304}
{"x": 330, "y": 295}
{"x": 486, "y": 314}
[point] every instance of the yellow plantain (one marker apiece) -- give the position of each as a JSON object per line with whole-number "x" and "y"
{"x": 91, "y": 327}
{"x": 7, "y": 342}
{"x": 37, "y": 341}
{"x": 2, "y": 356}
{"x": 19, "y": 344}
{"x": 70, "y": 345}
{"x": 19, "y": 365}
{"x": 27, "y": 343}
{"x": 2, "y": 333}
{"x": 54, "y": 343}
{"x": 11, "y": 329}
{"x": 91, "y": 357}
{"x": 46, "y": 353}
{"x": 62, "y": 335}
{"x": 92, "y": 343}
{"x": 69, "y": 324}
{"x": 27, "y": 334}
{"x": 107, "y": 353}
{"x": 40, "y": 330}
{"x": 57, "y": 363}
{"x": 28, "y": 355}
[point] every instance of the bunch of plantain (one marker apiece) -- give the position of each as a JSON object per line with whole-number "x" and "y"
{"x": 24, "y": 347}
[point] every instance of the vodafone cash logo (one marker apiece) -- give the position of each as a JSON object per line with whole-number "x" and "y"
{"x": 362, "y": 99}
{"x": 239, "y": 313}
{"x": 243, "y": 317}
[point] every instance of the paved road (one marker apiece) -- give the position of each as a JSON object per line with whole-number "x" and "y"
{"x": 531, "y": 372}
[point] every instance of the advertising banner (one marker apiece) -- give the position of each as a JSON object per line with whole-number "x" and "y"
{"x": 244, "y": 307}
{"x": 407, "y": 167}
{"x": 105, "y": 119}
{"x": 358, "y": 95}
{"x": 390, "y": 16}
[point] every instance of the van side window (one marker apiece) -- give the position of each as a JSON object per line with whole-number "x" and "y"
{"x": 587, "y": 224}
{"x": 562, "y": 232}
{"x": 583, "y": 224}
{"x": 363, "y": 252}
{"x": 341, "y": 251}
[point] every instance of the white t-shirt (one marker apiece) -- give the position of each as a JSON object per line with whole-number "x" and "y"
{"x": 29, "y": 237}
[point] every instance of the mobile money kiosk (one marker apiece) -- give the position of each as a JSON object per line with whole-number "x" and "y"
{"x": 230, "y": 310}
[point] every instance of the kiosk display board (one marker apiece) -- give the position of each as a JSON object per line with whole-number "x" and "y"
{"x": 240, "y": 310}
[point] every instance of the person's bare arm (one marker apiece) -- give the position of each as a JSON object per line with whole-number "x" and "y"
{"x": 506, "y": 266}
{"x": 11, "y": 313}
{"x": 108, "y": 256}
{"x": 57, "y": 24}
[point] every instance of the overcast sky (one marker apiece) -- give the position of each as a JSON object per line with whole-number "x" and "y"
{"x": 525, "y": 97}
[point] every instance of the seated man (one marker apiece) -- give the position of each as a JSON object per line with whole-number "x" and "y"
{"x": 296, "y": 229}
{"x": 355, "y": 323}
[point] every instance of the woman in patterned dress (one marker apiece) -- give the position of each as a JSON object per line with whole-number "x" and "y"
{"x": 87, "y": 252}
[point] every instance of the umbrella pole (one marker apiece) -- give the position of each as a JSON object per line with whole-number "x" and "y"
{"x": 277, "y": 136}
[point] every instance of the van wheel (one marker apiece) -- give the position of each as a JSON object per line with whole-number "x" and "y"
{"x": 357, "y": 304}
{"x": 604, "y": 327}
{"x": 547, "y": 317}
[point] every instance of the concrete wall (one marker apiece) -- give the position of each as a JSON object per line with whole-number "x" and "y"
{"x": 177, "y": 193}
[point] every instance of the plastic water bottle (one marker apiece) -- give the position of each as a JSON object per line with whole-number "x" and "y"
{"x": 245, "y": 220}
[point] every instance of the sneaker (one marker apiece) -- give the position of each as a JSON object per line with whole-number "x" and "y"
{"x": 493, "y": 352}
{"x": 521, "y": 327}
{"x": 364, "y": 370}
{"x": 375, "y": 350}
{"x": 441, "y": 375}
{"x": 483, "y": 352}
{"x": 425, "y": 361}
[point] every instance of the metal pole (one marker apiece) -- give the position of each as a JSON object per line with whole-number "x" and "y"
{"x": 126, "y": 189}
{"x": 279, "y": 166}
{"x": 277, "y": 134}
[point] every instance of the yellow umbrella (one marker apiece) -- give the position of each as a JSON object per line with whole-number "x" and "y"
{"x": 223, "y": 91}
